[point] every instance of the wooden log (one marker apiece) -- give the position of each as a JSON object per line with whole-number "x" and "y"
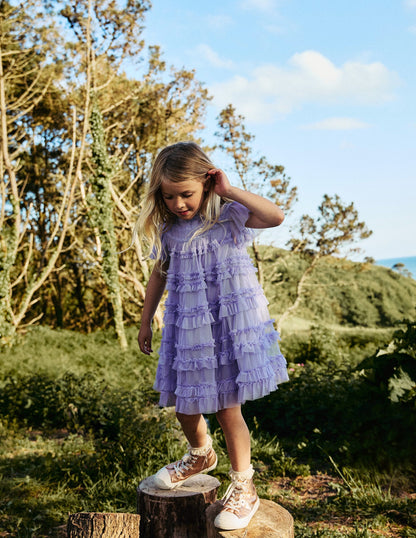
{"x": 176, "y": 513}
{"x": 270, "y": 521}
{"x": 103, "y": 525}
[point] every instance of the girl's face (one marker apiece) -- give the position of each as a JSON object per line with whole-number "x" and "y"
{"x": 183, "y": 199}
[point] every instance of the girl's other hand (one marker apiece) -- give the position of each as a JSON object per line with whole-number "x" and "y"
{"x": 221, "y": 183}
{"x": 145, "y": 339}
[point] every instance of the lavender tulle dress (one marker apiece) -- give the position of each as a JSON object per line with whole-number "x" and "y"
{"x": 219, "y": 347}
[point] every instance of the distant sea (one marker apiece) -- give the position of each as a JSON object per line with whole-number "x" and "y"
{"x": 409, "y": 263}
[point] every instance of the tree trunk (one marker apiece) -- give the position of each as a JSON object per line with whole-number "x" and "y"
{"x": 178, "y": 513}
{"x": 101, "y": 215}
{"x": 188, "y": 511}
{"x": 259, "y": 263}
{"x": 101, "y": 525}
{"x": 270, "y": 521}
{"x": 299, "y": 294}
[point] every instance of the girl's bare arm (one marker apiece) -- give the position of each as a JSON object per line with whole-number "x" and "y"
{"x": 154, "y": 292}
{"x": 263, "y": 212}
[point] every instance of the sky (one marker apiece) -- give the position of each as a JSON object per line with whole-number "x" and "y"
{"x": 328, "y": 89}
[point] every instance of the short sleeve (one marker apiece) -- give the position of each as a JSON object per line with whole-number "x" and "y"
{"x": 237, "y": 215}
{"x": 164, "y": 256}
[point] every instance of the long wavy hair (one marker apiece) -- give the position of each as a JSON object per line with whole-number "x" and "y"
{"x": 179, "y": 162}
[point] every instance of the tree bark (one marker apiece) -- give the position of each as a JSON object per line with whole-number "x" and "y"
{"x": 102, "y": 217}
{"x": 259, "y": 263}
{"x": 102, "y": 525}
{"x": 178, "y": 513}
{"x": 299, "y": 293}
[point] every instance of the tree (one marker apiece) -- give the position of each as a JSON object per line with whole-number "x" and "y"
{"x": 26, "y": 81}
{"x": 101, "y": 215}
{"x": 402, "y": 269}
{"x": 159, "y": 112}
{"x": 336, "y": 227}
{"x": 255, "y": 175}
{"x": 105, "y": 34}
{"x": 56, "y": 152}
{"x": 136, "y": 118}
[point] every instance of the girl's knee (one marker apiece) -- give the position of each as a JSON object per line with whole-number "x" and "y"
{"x": 230, "y": 414}
{"x": 188, "y": 419}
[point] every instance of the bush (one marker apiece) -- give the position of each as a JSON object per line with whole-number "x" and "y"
{"x": 328, "y": 409}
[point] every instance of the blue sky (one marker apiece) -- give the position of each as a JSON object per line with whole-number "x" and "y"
{"x": 328, "y": 88}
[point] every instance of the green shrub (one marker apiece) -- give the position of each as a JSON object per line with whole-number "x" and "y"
{"x": 331, "y": 410}
{"x": 393, "y": 372}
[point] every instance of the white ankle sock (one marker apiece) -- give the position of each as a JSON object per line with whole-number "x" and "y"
{"x": 242, "y": 475}
{"x": 203, "y": 450}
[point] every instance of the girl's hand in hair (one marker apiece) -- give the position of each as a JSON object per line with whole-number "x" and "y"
{"x": 220, "y": 182}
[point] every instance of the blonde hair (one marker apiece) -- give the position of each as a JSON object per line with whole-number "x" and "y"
{"x": 179, "y": 162}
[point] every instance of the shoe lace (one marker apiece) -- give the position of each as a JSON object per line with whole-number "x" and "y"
{"x": 184, "y": 464}
{"x": 234, "y": 497}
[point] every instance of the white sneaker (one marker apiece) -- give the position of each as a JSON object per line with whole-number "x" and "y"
{"x": 240, "y": 502}
{"x": 195, "y": 461}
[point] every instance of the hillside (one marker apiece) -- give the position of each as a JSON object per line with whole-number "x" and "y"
{"x": 338, "y": 291}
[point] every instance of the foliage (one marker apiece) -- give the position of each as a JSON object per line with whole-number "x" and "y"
{"x": 393, "y": 372}
{"x": 402, "y": 269}
{"x": 101, "y": 215}
{"x": 331, "y": 408}
{"x": 338, "y": 292}
{"x": 114, "y": 29}
{"x": 79, "y": 429}
{"x": 53, "y": 55}
{"x": 35, "y": 198}
{"x": 255, "y": 175}
{"x": 56, "y": 265}
{"x": 336, "y": 226}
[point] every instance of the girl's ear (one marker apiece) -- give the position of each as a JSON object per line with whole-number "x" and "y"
{"x": 208, "y": 182}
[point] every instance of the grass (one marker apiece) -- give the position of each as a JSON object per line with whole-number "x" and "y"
{"x": 352, "y": 501}
{"x": 46, "y": 477}
{"x": 80, "y": 428}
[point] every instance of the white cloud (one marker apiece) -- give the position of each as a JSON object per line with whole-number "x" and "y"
{"x": 309, "y": 77}
{"x": 276, "y": 29}
{"x": 218, "y": 22}
{"x": 207, "y": 53}
{"x": 337, "y": 124}
{"x": 410, "y": 3}
{"x": 259, "y": 5}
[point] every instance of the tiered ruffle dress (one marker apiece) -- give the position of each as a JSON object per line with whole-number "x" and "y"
{"x": 219, "y": 347}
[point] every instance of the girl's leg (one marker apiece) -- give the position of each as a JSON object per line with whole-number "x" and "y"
{"x": 195, "y": 429}
{"x": 200, "y": 457}
{"x": 241, "y": 501}
{"x": 237, "y": 437}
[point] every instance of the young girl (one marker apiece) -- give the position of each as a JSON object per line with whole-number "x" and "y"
{"x": 219, "y": 347}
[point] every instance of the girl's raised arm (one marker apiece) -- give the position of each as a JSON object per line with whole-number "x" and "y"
{"x": 154, "y": 292}
{"x": 263, "y": 213}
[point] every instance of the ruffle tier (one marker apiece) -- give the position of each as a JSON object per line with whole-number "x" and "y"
{"x": 219, "y": 346}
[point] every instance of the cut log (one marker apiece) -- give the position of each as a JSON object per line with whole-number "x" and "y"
{"x": 103, "y": 525}
{"x": 270, "y": 521}
{"x": 176, "y": 513}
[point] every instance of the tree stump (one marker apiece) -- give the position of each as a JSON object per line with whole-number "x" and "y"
{"x": 102, "y": 525}
{"x": 270, "y": 521}
{"x": 176, "y": 513}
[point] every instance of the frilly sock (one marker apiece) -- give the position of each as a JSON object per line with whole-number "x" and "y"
{"x": 203, "y": 450}
{"x": 242, "y": 475}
